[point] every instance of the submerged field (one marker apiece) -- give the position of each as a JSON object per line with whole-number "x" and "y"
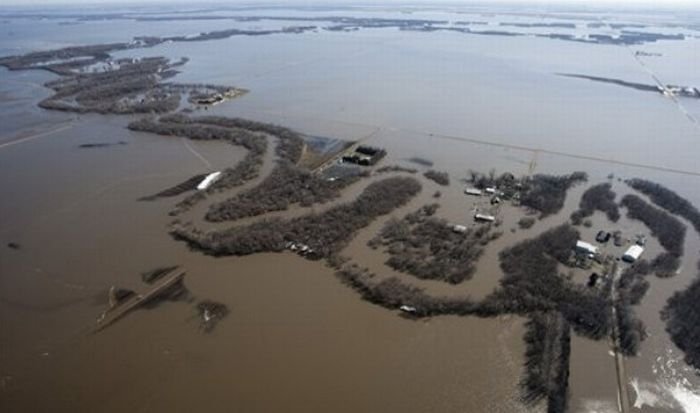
{"x": 337, "y": 286}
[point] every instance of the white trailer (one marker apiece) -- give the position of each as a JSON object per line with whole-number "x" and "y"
{"x": 473, "y": 191}
{"x": 484, "y": 218}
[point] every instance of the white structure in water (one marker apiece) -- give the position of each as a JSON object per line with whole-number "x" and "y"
{"x": 210, "y": 179}
{"x": 633, "y": 253}
{"x": 408, "y": 309}
{"x": 586, "y": 248}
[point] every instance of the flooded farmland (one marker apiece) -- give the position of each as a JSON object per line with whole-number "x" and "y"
{"x": 296, "y": 338}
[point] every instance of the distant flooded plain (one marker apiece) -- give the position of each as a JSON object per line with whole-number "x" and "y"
{"x": 296, "y": 338}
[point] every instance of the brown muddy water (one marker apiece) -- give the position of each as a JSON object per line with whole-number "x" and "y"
{"x": 296, "y": 339}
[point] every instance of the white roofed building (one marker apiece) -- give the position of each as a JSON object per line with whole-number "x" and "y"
{"x": 586, "y": 248}
{"x": 484, "y": 218}
{"x": 473, "y": 191}
{"x": 633, "y": 253}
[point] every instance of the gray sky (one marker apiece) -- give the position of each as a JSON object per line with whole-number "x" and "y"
{"x": 662, "y": 3}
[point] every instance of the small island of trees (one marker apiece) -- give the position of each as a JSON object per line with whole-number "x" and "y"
{"x": 667, "y": 229}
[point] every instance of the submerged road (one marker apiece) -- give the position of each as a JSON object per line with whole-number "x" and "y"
{"x": 570, "y": 155}
{"x": 36, "y": 135}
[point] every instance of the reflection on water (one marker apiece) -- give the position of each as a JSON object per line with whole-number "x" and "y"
{"x": 672, "y": 390}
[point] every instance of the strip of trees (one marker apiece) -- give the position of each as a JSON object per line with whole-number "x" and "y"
{"x": 395, "y": 168}
{"x": 289, "y": 147}
{"x": 441, "y": 178}
{"x": 547, "y": 193}
{"x": 682, "y": 316}
{"x": 325, "y": 234}
{"x": 548, "y": 349}
{"x": 668, "y": 200}
{"x": 210, "y": 313}
{"x": 179, "y": 189}
{"x": 253, "y": 137}
{"x": 631, "y": 288}
{"x": 392, "y": 293}
{"x": 667, "y": 229}
{"x": 597, "y": 198}
{"x": 286, "y": 185}
{"x": 132, "y": 86}
{"x": 532, "y": 283}
{"x": 542, "y": 193}
{"x": 44, "y": 59}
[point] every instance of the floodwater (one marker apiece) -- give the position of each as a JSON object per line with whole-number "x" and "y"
{"x": 296, "y": 339}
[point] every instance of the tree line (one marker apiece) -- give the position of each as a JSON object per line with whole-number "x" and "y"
{"x": 244, "y": 171}
{"x": 631, "y": 288}
{"x": 546, "y": 367}
{"x": 286, "y": 185}
{"x": 667, "y": 199}
{"x": 668, "y": 230}
{"x": 325, "y": 233}
{"x": 547, "y": 193}
{"x": 682, "y": 316}
{"x": 531, "y": 282}
{"x": 532, "y": 287}
{"x": 542, "y": 193}
{"x": 289, "y": 147}
{"x": 440, "y": 178}
{"x": 188, "y": 185}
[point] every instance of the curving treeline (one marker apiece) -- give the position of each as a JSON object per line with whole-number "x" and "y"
{"x": 325, "y": 234}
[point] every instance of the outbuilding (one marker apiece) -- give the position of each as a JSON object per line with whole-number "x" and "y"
{"x": 633, "y": 253}
{"x": 473, "y": 191}
{"x": 586, "y": 248}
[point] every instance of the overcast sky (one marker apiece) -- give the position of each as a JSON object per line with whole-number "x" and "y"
{"x": 662, "y": 3}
